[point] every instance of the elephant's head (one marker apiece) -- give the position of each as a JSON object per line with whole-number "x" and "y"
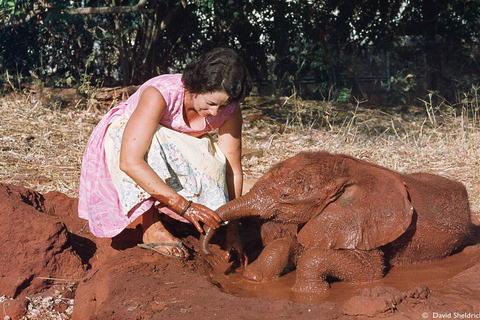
{"x": 360, "y": 205}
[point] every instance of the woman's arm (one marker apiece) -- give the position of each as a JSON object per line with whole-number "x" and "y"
{"x": 230, "y": 142}
{"x": 136, "y": 140}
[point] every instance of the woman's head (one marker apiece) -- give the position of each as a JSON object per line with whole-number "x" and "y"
{"x": 219, "y": 70}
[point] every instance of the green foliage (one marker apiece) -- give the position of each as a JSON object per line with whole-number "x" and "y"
{"x": 290, "y": 44}
{"x": 344, "y": 95}
{"x": 399, "y": 87}
{"x": 8, "y": 7}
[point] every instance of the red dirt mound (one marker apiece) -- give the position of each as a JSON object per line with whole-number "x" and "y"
{"x": 43, "y": 243}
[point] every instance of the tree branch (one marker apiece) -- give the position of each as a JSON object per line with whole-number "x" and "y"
{"x": 33, "y": 13}
{"x": 139, "y": 7}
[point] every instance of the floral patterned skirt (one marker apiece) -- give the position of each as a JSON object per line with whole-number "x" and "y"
{"x": 194, "y": 167}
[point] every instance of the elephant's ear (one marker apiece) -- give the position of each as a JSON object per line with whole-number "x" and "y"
{"x": 373, "y": 210}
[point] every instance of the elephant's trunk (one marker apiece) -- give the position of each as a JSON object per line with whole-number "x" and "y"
{"x": 233, "y": 210}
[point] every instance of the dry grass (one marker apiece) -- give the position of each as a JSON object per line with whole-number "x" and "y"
{"x": 41, "y": 144}
{"x": 405, "y": 142}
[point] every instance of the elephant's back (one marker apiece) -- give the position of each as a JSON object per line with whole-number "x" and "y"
{"x": 441, "y": 223}
{"x": 438, "y": 198}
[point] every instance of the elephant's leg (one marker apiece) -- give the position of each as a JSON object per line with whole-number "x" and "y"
{"x": 271, "y": 262}
{"x": 315, "y": 265}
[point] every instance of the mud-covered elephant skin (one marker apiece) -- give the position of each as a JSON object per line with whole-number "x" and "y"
{"x": 338, "y": 217}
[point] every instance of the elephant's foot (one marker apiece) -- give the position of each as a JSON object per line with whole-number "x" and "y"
{"x": 271, "y": 262}
{"x": 317, "y": 286}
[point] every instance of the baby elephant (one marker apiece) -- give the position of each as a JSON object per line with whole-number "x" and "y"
{"x": 350, "y": 220}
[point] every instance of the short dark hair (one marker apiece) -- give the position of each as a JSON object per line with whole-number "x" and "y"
{"x": 220, "y": 69}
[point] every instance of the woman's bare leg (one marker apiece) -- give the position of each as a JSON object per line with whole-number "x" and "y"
{"x": 155, "y": 231}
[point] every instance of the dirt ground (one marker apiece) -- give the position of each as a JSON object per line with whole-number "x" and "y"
{"x": 51, "y": 267}
{"x": 47, "y": 251}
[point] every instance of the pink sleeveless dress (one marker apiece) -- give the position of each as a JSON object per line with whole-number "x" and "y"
{"x": 99, "y": 201}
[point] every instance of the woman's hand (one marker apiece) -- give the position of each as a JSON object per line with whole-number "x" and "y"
{"x": 197, "y": 212}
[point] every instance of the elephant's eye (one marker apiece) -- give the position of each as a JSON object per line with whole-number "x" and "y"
{"x": 284, "y": 195}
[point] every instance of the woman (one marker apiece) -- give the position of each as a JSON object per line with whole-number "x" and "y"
{"x": 151, "y": 155}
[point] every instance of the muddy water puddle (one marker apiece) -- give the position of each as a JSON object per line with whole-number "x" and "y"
{"x": 432, "y": 274}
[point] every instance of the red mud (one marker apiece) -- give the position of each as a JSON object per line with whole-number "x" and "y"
{"x": 43, "y": 244}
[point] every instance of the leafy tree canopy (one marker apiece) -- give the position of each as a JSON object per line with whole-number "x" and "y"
{"x": 287, "y": 43}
